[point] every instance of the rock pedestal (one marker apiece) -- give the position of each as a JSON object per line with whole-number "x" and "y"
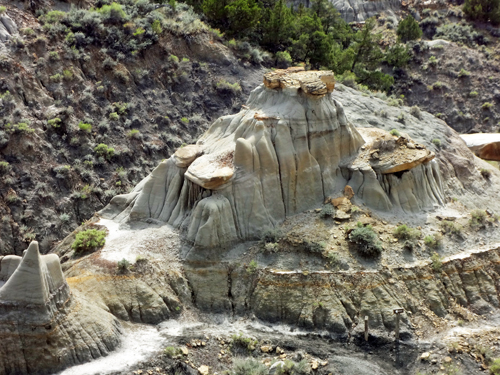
{"x": 285, "y": 152}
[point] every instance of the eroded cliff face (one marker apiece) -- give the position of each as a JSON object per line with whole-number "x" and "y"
{"x": 43, "y": 326}
{"x": 289, "y": 149}
{"x": 337, "y": 301}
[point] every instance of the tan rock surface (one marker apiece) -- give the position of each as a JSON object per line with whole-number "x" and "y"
{"x": 391, "y": 154}
{"x": 483, "y": 145}
{"x": 313, "y": 83}
{"x": 184, "y": 156}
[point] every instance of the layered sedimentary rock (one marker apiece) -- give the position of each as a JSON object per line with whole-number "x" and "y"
{"x": 289, "y": 149}
{"x": 338, "y": 300}
{"x": 43, "y": 327}
{"x": 483, "y": 145}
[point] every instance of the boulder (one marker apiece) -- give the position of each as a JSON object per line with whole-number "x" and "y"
{"x": 483, "y": 145}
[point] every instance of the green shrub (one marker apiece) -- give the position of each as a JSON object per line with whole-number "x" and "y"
{"x": 104, "y": 150}
{"x": 463, "y": 73}
{"x": 244, "y": 342}
{"x": 185, "y": 120}
{"x": 114, "y": 116}
{"x": 415, "y": 112}
{"x": 55, "y": 122}
{"x": 478, "y": 218}
{"x": 54, "y": 56}
{"x": 139, "y": 31}
{"x": 495, "y": 367}
{"x": 2, "y": 9}
{"x": 473, "y": 94}
{"x": 85, "y": 127}
{"x": 248, "y": 366}
{"x": 433, "y": 242}
{"x": 293, "y": 368}
{"x": 408, "y": 29}
{"x": 227, "y": 88}
{"x": 283, "y": 59}
{"x": 173, "y": 59}
{"x": 437, "y": 261}
{"x": 121, "y": 108}
{"x": 433, "y": 60}
{"x": 487, "y": 105}
{"x": 366, "y": 239}
{"x": 404, "y": 232}
{"x": 327, "y": 211}
{"x": 450, "y": 227}
{"x": 436, "y": 142}
{"x": 89, "y": 240}
{"x": 67, "y": 74}
{"x": 4, "y": 167}
{"x": 156, "y": 26}
{"x": 56, "y": 77}
{"x": 112, "y": 13}
{"x": 395, "y": 132}
{"x": 54, "y": 16}
{"x": 123, "y": 265}
{"x": 314, "y": 247}
{"x": 252, "y": 267}
{"x": 410, "y": 236}
{"x": 134, "y": 133}
{"x": 172, "y": 352}
{"x": 20, "y": 128}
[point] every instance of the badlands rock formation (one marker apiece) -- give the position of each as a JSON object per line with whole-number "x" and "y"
{"x": 43, "y": 327}
{"x": 483, "y": 145}
{"x": 289, "y": 149}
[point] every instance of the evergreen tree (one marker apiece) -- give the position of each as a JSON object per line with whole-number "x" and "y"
{"x": 216, "y": 12}
{"x": 397, "y": 55}
{"x": 277, "y": 26}
{"x": 483, "y": 10}
{"x": 366, "y": 47}
{"x": 408, "y": 29}
{"x": 242, "y": 16}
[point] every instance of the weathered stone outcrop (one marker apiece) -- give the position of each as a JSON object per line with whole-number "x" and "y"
{"x": 285, "y": 152}
{"x": 337, "y": 300}
{"x": 483, "y": 145}
{"x": 394, "y": 172}
{"x": 43, "y": 327}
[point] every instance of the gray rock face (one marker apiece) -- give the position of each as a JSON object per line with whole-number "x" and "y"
{"x": 45, "y": 328}
{"x": 286, "y": 152}
{"x": 8, "y": 28}
{"x": 358, "y": 10}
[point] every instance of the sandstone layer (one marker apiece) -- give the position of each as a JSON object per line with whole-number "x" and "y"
{"x": 483, "y": 145}
{"x": 43, "y": 326}
{"x": 289, "y": 149}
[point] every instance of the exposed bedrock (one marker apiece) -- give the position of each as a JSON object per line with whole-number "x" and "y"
{"x": 337, "y": 301}
{"x": 289, "y": 149}
{"x": 484, "y": 145}
{"x": 43, "y": 326}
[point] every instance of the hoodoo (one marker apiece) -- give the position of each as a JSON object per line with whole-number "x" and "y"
{"x": 43, "y": 327}
{"x": 288, "y": 150}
